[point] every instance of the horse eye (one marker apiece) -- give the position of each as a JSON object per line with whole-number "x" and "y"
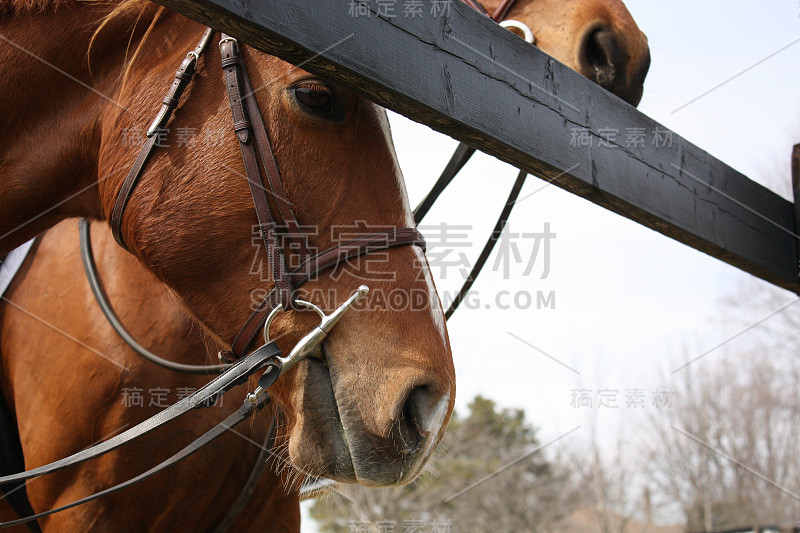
{"x": 315, "y": 96}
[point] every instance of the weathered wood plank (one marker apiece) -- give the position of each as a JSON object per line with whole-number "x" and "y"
{"x": 463, "y": 76}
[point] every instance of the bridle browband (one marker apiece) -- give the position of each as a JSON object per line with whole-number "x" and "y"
{"x": 277, "y": 222}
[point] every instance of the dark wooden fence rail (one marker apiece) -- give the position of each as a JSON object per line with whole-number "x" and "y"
{"x": 462, "y": 75}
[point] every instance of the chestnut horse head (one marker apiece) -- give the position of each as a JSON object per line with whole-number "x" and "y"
{"x": 374, "y": 409}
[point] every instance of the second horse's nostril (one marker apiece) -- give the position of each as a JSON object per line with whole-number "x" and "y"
{"x": 599, "y": 57}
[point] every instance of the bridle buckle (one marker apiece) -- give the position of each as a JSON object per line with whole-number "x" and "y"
{"x": 227, "y": 39}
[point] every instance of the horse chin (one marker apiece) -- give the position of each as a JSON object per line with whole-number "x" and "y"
{"x": 328, "y": 440}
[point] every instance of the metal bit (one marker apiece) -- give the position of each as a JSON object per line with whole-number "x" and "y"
{"x": 314, "y": 339}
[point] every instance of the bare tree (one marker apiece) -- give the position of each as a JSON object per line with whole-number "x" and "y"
{"x": 728, "y": 453}
{"x": 613, "y": 497}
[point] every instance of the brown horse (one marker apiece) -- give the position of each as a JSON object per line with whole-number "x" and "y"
{"x": 190, "y": 283}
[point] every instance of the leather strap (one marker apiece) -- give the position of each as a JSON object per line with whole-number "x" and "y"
{"x": 342, "y": 253}
{"x": 285, "y": 215}
{"x": 243, "y": 413}
{"x": 232, "y": 67}
{"x": 237, "y": 374}
{"x": 317, "y": 264}
{"x": 252, "y": 480}
{"x": 181, "y": 80}
{"x": 489, "y": 246}
{"x": 454, "y": 166}
{"x": 124, "y": 193}
{"x": 502, "y": 10}
{"x": 499, "y": 13}
{"x": 90, "y": 268}
{"x": 477, "y": 7}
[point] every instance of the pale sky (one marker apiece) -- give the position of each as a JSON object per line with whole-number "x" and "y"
{"x": 629, "y": 301}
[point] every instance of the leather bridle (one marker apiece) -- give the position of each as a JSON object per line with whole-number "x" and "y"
{"x": 232, "y": 65}
{"x": 277, "y": 222}
{"x": 499, "y": 13}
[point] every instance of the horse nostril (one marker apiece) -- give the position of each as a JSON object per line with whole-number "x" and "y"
{"x": 599, "y": 57}
{"x": 419, "y": 417}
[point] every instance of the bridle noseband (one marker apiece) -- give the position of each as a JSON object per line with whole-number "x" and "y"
{"x": 277, "y": 222}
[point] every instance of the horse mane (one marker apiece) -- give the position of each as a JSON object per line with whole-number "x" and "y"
{"x": 137, "y": 11}
{"x": 21, "y": 7}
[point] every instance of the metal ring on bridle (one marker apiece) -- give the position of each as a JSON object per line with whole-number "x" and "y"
{"x": 311, "y": 341}
{"x": 274, "y": 313}
{"x": 194, "y": 55}
{"x": 527, "y": 34}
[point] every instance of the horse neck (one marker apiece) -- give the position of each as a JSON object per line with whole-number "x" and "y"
{"x": 53, "y": 97}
